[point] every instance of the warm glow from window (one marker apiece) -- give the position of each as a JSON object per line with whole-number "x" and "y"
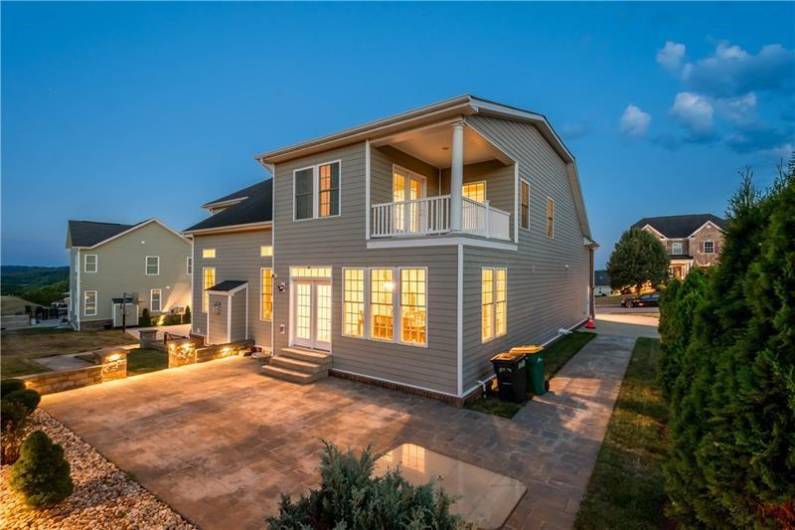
{"x": 475, "y": 191}
{"x": 310, "y": 272}
{"x": 266, "y": 251}
{"x": 208, "y": 280}
{"x": 329, "y": 189}
{"x": 524, "y": 209}
{"x": 550, "y": 218}
{"x": 381, "y": 304}
{"x": 266, "y": 290}
{"x": 90, "y": 303}
{"x": 413, "y": 301}
{"x": 494, "y": 303}
{"x": 208, "y": 253}
{"x": 155, "y": 301}
{"x": 353, "y": 299}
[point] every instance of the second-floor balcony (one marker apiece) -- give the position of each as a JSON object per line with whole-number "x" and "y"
{"x": 432, "y": 215}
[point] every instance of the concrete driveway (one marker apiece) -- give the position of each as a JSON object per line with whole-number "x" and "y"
{"x": 628, "y": 324}
{"x": 220, "y": 442}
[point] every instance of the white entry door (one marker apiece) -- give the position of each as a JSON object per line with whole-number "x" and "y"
{"x": 312, "y": 313}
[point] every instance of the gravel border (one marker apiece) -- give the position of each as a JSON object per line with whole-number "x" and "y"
{"x": 103, "y": 497}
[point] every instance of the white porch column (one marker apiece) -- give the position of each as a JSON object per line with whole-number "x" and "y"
{"x": 457, "y": 176}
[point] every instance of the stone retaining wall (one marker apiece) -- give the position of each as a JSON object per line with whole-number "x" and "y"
{"x": 111, "y": 365}
{"x": 190, "y": 351}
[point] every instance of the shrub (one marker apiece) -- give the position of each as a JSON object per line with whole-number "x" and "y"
{"x": 11, "y": 385}
{"x": 186, "y": 315}
{"x": 172, "y": 319}
{"x": 145, "y": 320}
{"x": 27, "y": 397}
{"x": 14, "y": 418}
{"x": 42, "y": 473}
{"x": 349, "y": 497}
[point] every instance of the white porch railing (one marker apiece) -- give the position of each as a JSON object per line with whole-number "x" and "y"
{"x": 431, "y": 215}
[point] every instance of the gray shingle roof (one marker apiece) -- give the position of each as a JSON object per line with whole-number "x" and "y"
{"x": 679, "y": 226}
{"x": 227, "y": 285}
{"x": 257, "y": 208}
{"x": 239, "y": 194}
{"x": 89, "y": 233}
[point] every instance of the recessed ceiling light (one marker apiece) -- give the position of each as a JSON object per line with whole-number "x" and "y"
{"x": 445, "y": 148}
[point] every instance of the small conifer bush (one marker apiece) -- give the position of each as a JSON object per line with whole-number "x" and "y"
{"x": 42, "y": 473}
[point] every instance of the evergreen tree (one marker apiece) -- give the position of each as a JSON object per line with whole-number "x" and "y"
{"x": 42, "y": 473}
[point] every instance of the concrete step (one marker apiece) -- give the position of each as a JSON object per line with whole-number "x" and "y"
{"x": 307, "y": 355}
{"x": 288, "y": 363}
{"x": 291, "y": 375}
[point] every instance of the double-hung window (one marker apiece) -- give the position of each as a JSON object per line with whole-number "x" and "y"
{"x": 91, "y": 263}
{"x": 155, "y": 300}
{"x": 524, "y": 204}
{"x": 208, "y": 253}
{"x": 377, "y": 300}
{"x": 266, "y": 294}
{"x": 676, "y": 248}
{"x": 550, "y": 218}
{"x": 316, "y": 191}
{"x": 266, "y": 251}
{"x": 152, "y": 265}
{"x": 90, "y": 303}
{"x": 208, "y": 280}
{"x": 189, "y": 268}
{"x": 475, "y": 191}
{"x": 493, "y": 303}
{"x": 709, "y": 247}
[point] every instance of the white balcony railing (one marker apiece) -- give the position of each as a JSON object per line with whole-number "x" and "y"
{"x": 431, "y": 215}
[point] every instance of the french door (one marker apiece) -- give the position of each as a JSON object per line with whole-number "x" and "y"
{"x": 407, "y": 187}
{"x": 312, "y": 313}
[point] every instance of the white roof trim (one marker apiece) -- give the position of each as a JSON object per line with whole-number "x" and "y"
{"x": 228, "y": 202}
{"x": 647, "y": 225}
{"x": 697, "y": 230}
{"x": 134, "y": 228}
{"x": 231, "y": 292}
{"x": 229, "y": 228}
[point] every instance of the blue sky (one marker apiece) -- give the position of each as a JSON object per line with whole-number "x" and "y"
{"x": 120, "y": 112}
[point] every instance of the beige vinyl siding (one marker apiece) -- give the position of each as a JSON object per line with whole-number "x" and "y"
{"x": 340, "y": 242}
{"x": 381, "y": 162}
{"x": 237, "y": 257}
{"x": 122, "y": 268}
{"x": 218, "y": 320}
{"x": 238, "y": 329}
{"x": 547, "y": 278}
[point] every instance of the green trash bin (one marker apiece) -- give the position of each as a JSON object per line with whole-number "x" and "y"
{"x": 535, "y": 373}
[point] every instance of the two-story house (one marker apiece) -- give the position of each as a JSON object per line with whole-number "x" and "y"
{"x": 690, "y": 240}
{"x": 118, "y": 270}
{"x": 406, "y": 251}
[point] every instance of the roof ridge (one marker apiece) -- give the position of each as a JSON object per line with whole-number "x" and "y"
{"x": 102, "y": 222}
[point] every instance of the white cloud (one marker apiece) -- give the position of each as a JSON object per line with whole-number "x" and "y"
{"x": 782, "y": 152}
{"x": 740, "y": 110}
{"x": 635, "y": 122}
{"x": 694, "y": 111}
{"x": 671, "y": 56}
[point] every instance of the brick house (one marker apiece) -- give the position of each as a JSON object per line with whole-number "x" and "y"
{"x": 691, "y": 240}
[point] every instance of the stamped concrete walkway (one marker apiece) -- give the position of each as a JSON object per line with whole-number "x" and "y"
{"x": 219, "y": 441}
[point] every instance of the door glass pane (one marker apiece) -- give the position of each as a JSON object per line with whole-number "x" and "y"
{"x": 304, "y": 188}
{"x": 323, "y": 322}
{"x": 303, "y": 311}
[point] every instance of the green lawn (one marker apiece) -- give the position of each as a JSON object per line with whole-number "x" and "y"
{"x": 144, "y": 360}
{"x": 626, "y": 488}
{"x": 17, "y": 366}
{"x": 555, "y": 356}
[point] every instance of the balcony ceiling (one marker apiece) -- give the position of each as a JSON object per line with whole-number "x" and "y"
{"x": 433, "y": 146}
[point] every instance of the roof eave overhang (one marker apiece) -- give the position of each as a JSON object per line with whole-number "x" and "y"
{"x": 231, "y": 228}
{"x": 220, "y": 204}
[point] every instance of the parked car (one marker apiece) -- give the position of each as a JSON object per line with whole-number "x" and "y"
{"x": 646, "y": 300}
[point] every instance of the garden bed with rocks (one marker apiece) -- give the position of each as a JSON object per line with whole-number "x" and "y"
{"x": 104, "y": 496}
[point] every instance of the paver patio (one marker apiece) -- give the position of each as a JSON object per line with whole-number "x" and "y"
{"x": 219, "y": 441}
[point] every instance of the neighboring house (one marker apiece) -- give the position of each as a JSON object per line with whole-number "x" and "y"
{"x": 232, "y": 252}
{"x": 407, "y": 251}
{"x": 690, "y": 240}
{"x": 602, "y": 284}
{"x": 148, "y": 261}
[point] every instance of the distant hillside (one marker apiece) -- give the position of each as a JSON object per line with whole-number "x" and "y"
{"x": 41, "y": 285}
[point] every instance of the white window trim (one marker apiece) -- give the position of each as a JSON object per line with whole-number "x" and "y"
{"x": 261, "y": 293}
{"x": 529, "y": 204}
{"x": 159, "y": 300}
{"x": 85, "y": 303}
{"x": 189, "y": 266}
{"x": 494, "y": 269}
{"x": 409, "y": 173}
{"x": 205, "y": 294}
{"x": 208, "y": 257}
{"x": 711, "y": 242}
{"x": 485, "y": 188}
{"x": 266, "y": 255}
{"x": 396, "y": 322}
{"x": 681, "y": 248}
{"x": 546, "y": 217}
{"x": 146, "y": 266}
{"x": 316, "y": 191}
{"x": 96, "y": 263}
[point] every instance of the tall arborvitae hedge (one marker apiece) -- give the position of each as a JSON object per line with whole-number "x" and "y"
{"x": 732, "y": 431}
